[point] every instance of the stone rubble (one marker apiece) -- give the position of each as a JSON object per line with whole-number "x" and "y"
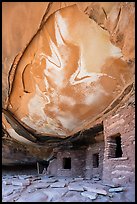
{"x": 119, "y": 189}
{"x": 51, "y": 180}
{"x": 78, "y": 179}
{"x": 25, "y": 176}
{"x": 96, "y": 179}
{"x": 90, "y": 195}
{"x": 7, "y": 182}
{"x": 8, "y": 191}
{"x": 75, "y": 187}
{"x": 95, "y": 190}
{"x": 20, "y": 182}
{"x": 37, "y": 196}
{"x": 58, "y": 184}
{"x": 50, "y": 189}
{"x": 40, "y": 185}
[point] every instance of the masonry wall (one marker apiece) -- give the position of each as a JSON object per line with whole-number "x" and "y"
{"x": 81, "y": 162}
{"x": 120, "y": 170}
{"x": 77, "y": 163}
{"x": 90, "y": 171}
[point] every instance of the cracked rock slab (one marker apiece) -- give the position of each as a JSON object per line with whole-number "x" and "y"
{"x": 7, "y": 182}
{"x": 7, "y": 191}
{"x": 37, "y": 196}
{"x": 95, "y": 190}
{"x": 25, "y": 176}
{"x": 58, "y": 184}
{"x": 40, "y": 185}
{"x": 11, "y": 198}
{"x": 20, "y": 182}
{"x": 50, "y": 180}
{"x": 78, "y": 179}
{"x": 54, "y": 194}
{"x": 119, "y": 189}
{"x": 75, "y": 187}
{"x": 90, "y": 195}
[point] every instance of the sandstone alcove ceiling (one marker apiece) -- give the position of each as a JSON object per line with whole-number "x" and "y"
{"x": 73, "y": 66}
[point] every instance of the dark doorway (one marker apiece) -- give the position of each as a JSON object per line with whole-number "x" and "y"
{"x": 95, "y": 160}
{"x": 114, "y": 146}
{"x": 118, "y": 152}
{"x": 67, "y": 163}
{"x": 41, "y": 165}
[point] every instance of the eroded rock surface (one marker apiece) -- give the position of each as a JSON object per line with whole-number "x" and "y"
{"x": 65, "y": 78}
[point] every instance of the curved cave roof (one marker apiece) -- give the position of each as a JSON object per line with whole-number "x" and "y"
{"x": 68, "y": 72}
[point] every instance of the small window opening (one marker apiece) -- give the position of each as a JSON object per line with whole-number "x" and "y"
{"x": 114, "y": 146}
{"x": 95, "y": 160}
{"x": 118, "y": 152}
{"x": 67, "y": 163}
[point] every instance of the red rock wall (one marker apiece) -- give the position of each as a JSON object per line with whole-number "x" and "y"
{"x": 120, "y": 170}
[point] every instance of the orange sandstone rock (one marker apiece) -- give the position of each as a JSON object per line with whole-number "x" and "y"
{"x": 69, "y": 73}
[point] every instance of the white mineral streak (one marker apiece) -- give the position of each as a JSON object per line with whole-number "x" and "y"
{"x": 68, "y": 122}
{"x": 95, "y": 47}
{"x": 18, "y": 137}
{"x": 37, "y": 104}
{"x": 63, "y": 24}
{"x": 68, "y": 100}
{"x": 96, "y": 94}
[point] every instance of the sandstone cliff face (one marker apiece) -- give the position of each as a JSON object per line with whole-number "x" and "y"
{"x": 75, "y": 68}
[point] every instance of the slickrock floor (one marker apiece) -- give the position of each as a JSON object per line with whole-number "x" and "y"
{"x": 45, "y": 188}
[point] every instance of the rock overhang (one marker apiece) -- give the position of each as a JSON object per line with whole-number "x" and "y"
{"x": 65, "y": 77}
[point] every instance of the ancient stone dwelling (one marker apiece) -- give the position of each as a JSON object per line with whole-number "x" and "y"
{"x": 110, "y": 157}
{"x": 68, "y": 107}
